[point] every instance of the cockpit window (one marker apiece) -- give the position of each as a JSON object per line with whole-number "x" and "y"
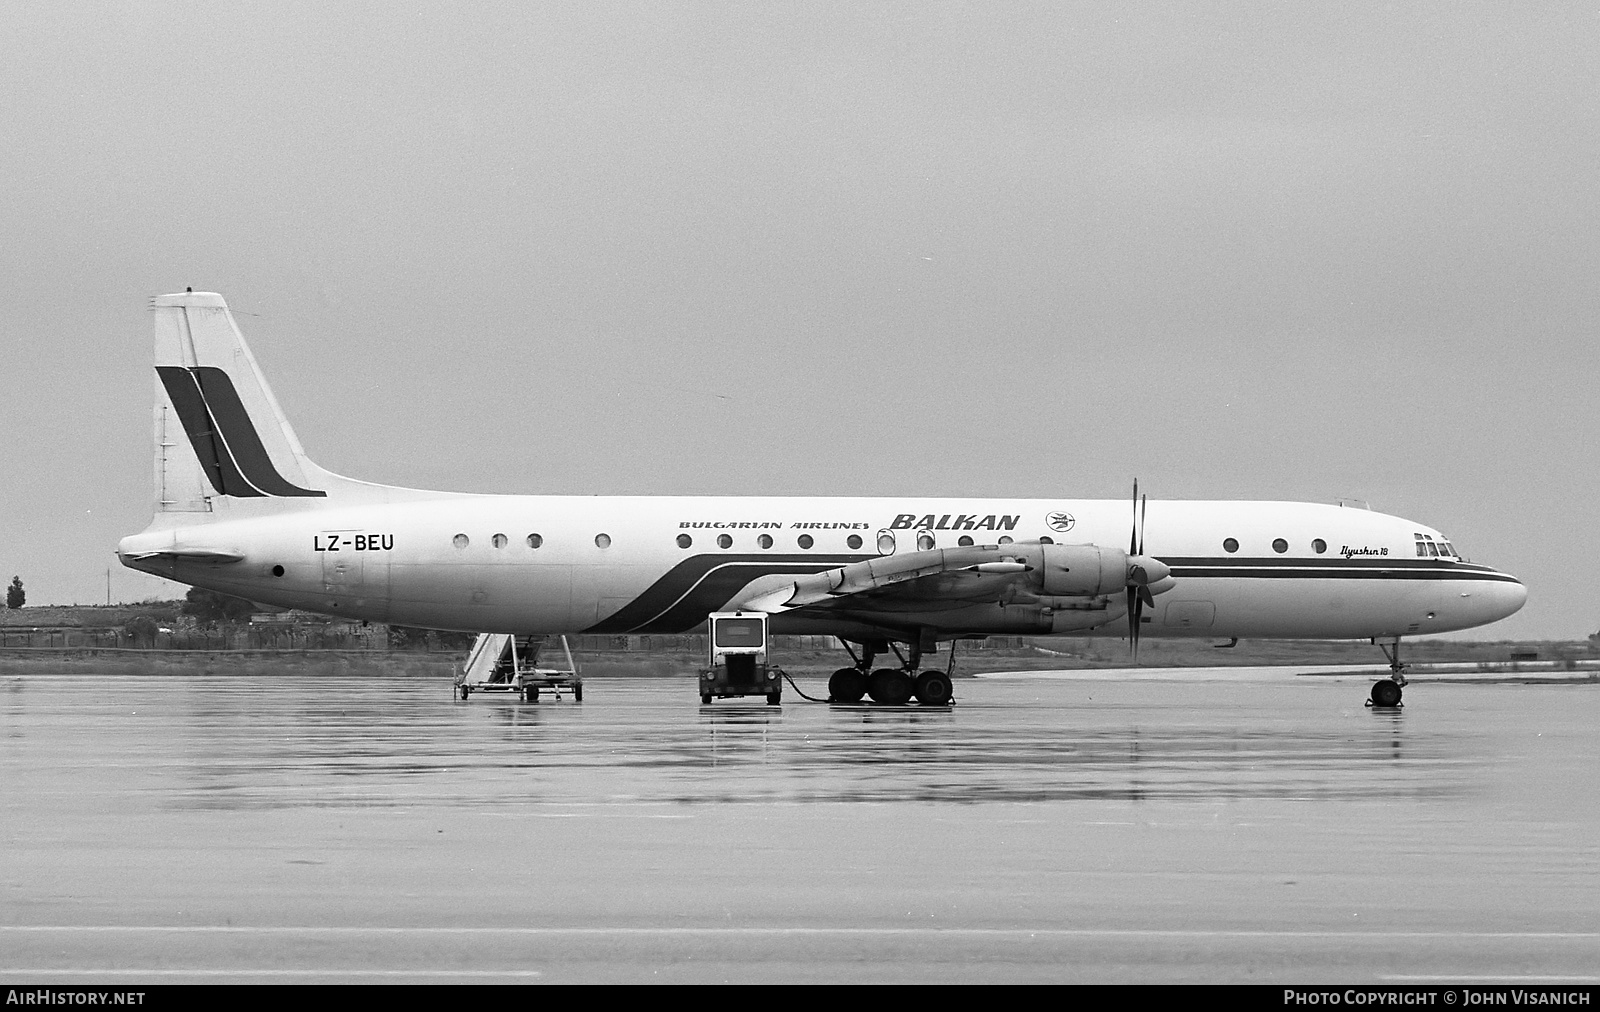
{"x": 1422, "y": 549}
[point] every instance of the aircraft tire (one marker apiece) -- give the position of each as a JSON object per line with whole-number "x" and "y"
{"x": 934, "y": 688}
{"x": 577, "y": 693}
{"x": 890, "y": 687}
{"x": 1385, "y": 693}
{"x": 847, "y": 686}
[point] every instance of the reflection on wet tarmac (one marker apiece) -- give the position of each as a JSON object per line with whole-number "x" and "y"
{"x": 1067, "y": 829}
{"x": 295, "y": 742}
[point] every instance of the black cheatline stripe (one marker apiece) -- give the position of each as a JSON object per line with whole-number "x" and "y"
{"x": 1301, "y": 562}
{"x": 183, "y": 389}
{"x": 670, "y": 591}
{"x": 241, "y": 436}
{"x": 1313, "y": 573}
{"x": 713, "y": 592}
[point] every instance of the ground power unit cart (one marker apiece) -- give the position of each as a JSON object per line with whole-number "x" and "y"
{"x": 736, "y": 642}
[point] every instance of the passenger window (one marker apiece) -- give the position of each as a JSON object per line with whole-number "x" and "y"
{"x": 535, "y": 540}
{"x": 924, "y": 542}
{"x": 1230, "y": 545}
{"x": 684, "y": 541}
{"x": 1005, "y": 539}
{"x": 885, "y": 543}
{"x": 723, "y": 541}
{"x": 461, "y": 541}
{"x": 1279, "y": 545}
{"x": 500, "y": 540}
{"x": 765, "y": 541}
{"x": 1047, "y": 540}
{"x": 805, "y": 541}
{"x": 854, "y": 541}
{"x": 965, "y": 541}
{"x": 602, "y": 541}
{"x": 1319, "y": 546}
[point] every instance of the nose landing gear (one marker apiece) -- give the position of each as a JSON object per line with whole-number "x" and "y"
{"x": 1386, "y": 691}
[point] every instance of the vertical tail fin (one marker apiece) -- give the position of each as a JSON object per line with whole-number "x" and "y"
{"x": 220, "y": 436}
{"x": 222, "y": 443}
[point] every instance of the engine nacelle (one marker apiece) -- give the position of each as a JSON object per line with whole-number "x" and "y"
{"x": 1082, "y": 570}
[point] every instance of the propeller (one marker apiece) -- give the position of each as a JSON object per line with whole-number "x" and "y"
{"x": 1138, "y": 577}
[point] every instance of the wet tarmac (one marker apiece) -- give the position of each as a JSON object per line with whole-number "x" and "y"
{"x": 1245, "y": 826}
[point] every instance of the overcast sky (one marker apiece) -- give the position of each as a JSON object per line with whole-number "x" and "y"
{"x": 1274, "y": 251}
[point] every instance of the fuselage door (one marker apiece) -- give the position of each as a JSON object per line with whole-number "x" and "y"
{"x": 355, "y": 566}
{"x": 1190, "y": 615}
{"x": 342, "y": 568}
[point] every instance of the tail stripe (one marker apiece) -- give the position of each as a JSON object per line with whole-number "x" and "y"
{"x": 224, "y": 439}
{"x": 184, "y": 392}
{"x": 242, "y": 438}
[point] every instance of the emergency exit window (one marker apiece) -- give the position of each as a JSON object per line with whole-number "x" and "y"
{"x": 738, "y": 632}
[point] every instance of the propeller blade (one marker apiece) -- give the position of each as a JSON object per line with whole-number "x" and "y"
{"x": 1135, "y": 614}
{"x": 1139, "y": 593}
{"x": 1141, "y": 525}
{"x": 1133, "y": 532}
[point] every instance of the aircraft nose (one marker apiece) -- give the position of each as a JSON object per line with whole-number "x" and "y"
{"x": 1505, "y": 598}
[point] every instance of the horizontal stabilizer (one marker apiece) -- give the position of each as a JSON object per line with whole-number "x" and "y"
{"x": 190, "y": 554}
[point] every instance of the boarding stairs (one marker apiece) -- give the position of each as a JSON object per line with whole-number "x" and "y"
{"x": 500, "y": 662}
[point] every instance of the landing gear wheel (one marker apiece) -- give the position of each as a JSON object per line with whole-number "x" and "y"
{"x": 705, "y": 699}
{"x": 775, "y": 698}
{"x": 1385, "y": 693}
{"x": 933, "y": 688}
{"x": 847, "y": 686}
{"x": 890, "y": 687}
{"x": 577, "y": 693}
{"x": 464, "y": 691}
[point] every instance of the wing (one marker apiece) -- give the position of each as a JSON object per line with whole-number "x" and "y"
{"x": 946, "y": 578}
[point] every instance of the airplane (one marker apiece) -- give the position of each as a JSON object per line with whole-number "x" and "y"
{"x": 242, "y": 510}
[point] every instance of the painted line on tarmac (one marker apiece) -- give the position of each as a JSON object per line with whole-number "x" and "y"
{"x": 687, "y": 931}
{"x": 124, "y": 971}
{"x": 1530, "y": 978}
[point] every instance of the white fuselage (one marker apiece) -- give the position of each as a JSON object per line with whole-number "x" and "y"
{"x": 565, "y": 564}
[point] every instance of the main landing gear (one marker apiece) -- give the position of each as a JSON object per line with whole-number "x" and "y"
{"x": 890, "y": 686}
{"x": 1386, "y": 691}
